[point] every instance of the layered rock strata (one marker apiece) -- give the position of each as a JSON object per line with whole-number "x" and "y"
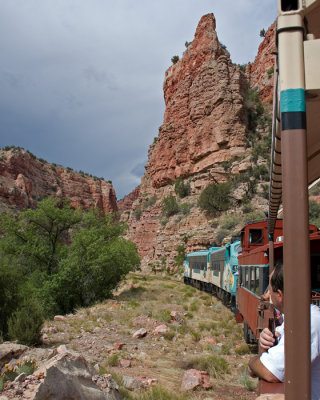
{"x": 205, "y": 126}
{"x": 24, "y": 180}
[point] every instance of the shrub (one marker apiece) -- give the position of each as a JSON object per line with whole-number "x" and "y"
{"x": 215, "y": 198}
{"x": 181, "y": 189}
{"x": 159, "y": 393}
{"x": 242, "y": 349}
{"x": 230, "y": 221}
{"x": 262, "y": 33}
{"x": 179, "y": 258}
{"x": 26, "y": 323}
{"x": 314, "y": 212}
{"x": 170, "y": 206}
{"x": 174, "y": 59}
{"x": 137, "y": 213}
{"x": 215, "y": 365}
{"x": 150, "y": 202}
{"x": 246, "y": 381}
{"x": 270, "y": 72}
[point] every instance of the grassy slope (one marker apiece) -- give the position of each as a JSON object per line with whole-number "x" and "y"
{"x": 145, "y": 301}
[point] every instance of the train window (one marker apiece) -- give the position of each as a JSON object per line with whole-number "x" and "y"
{"x": 256, "y": 236}
{"x": 246, "y": 278}
{"x": 257, "y": 290}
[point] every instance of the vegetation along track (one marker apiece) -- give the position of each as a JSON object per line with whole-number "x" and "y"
{"x": 206, "y": 338}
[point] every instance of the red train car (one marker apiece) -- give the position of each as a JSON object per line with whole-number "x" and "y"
{"x": 254, "y": 274}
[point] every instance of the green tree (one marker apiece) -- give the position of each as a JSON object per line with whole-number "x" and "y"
{"x": 215, "y": 198}
{"x": 97, "y": 260}
{"x": 61, "y": 257}
{"x": 38, "y": 237}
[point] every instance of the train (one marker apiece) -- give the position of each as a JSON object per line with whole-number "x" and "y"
{"x": 238, "y": 273}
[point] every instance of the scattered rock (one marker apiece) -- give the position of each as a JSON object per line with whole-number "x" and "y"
{"x": 59, "y": 318}
{"x": 266, "y": 396}
{"x": 8, "y": 351}
{"x": 132, "y": 383}
{"x": 193, "y": 379}
{"x": 118, "y": 346}
{"x": 175, "y": 316}
{"x": 140, "y": 333}
{"x": 21, "y": 377}
{"x": 160, "y": 329}
{"x": 124, "y": 363}
{"x": 69, "y": 376}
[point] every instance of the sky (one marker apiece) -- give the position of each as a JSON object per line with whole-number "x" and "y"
{"x": 81, "y": 80}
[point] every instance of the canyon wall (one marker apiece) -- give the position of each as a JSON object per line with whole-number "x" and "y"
{"x": 25, "y": 179}
{"x": 204, "y": 129}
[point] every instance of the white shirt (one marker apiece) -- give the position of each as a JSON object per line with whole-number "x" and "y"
{"x": 273, "y": 359}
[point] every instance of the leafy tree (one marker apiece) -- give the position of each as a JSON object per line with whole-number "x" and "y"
{"x": 215, "y": 198}
{"x": 61, "y": 257}
{"x": 38, "y": 237}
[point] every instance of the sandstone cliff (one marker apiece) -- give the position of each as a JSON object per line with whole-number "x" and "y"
{"x": 203, "y": 139}
{"x": 261, "y": 72}
{"x": 25, "y": 179}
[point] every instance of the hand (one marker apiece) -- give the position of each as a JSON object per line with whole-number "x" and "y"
{"x": 266, "y": 339}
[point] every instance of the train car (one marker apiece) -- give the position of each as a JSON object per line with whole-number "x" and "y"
{"x": 215, "y": 271}
{"x": 254, "y": 261}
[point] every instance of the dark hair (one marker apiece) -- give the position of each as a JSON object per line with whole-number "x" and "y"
{"x": 276, "y": 279}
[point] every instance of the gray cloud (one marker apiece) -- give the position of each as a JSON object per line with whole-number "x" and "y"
{"x": 81, "y": 81}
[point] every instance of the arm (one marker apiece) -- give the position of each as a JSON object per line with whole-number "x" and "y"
{"x": 257, "y": 369}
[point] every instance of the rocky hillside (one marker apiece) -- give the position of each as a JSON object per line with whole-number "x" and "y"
{"x": 215, "y": 128}
{"x": 25, "y": 179}
{"x": 155, "y": 336}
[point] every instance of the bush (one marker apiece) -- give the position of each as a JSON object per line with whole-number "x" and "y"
{"x": 179, "y": 258}
{"x": 242, "y": 349}
{"x": 215, "y": 365}
{"x": 270, "y": 72}
{"x": 170, "y": 206}
{"x": 174, "y": 59}
{"x": 26, "y": 323}
{"x": 314, "y": 212}
{"x": 181, "y": 189}
{"x": 230, "y": 221}
{"x": 215, "y": 198}
{"x": 262, "y": 33}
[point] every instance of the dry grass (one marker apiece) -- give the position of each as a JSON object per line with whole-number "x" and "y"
{"x": 206, "y": 338}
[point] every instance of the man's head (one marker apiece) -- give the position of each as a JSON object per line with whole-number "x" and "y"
{"x": 276, "y": 287}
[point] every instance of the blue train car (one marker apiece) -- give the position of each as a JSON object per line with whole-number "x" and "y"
{"x": 214, "y": 270}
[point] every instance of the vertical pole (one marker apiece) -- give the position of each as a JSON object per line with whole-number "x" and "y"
{"x": 295, "y": 208}
{"x": 271, "y": 255}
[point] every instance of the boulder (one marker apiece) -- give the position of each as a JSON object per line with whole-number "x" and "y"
{"x": 140, "y": 333}
{"x": 160, "y": 329}
{"x": 8, "y": 351}
{"x": 69, "y": 376}
{"x": 192, "y": 379}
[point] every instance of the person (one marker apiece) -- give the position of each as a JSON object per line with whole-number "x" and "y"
{"x": 270, "y": 364}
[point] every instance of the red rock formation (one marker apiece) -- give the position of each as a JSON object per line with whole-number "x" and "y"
{"x": 204, "y": 121}
{"x": 260, "y": 72}
{"x": 126, "y": 203}
{"x": 24, "y": 180}
{"x": 204, "y": 124}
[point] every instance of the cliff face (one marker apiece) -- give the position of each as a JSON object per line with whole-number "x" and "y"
{"x": 261, "y": 72}
{"x": 24, "y": 180}
{"x": 204, "y": 121}
{"x": 205, "y": 127}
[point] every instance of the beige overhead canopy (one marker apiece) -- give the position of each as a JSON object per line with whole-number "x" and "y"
{"x": 310, "y": 10}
